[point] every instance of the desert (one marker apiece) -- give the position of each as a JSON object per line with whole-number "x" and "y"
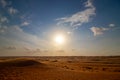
{"x": 60, "y": 68}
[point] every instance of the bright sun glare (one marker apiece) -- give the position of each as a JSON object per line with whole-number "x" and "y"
{"x": 59, "y": 39}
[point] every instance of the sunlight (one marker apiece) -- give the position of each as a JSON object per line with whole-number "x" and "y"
{"x": 59, "y": 39}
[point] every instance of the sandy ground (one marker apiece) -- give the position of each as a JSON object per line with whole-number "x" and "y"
{"x": 60, "y": 68}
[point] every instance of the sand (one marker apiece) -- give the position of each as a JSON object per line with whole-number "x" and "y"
{"x": 60, "y": 68}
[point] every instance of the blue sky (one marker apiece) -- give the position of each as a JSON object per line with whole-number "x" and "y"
{"x": 89, "y": 27}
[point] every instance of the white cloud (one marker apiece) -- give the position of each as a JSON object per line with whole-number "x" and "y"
{"x": 33, "y": 51}
{"x": 12, "y": 10}
{"x": 4, "y": 19}
{"x": 81, "y": 17}
{"x": 89, "y": 4}
{"x": 3, "y": 3}
{"x": 111, "y": 25}
{"x": 69, "y": 32}
{"x": 25, "y": 23}
{"x": 14, "y": 35}
{"x": 7, "y": 5}
{"x": 98, "y": 30}
{"x": 2, "y": 29}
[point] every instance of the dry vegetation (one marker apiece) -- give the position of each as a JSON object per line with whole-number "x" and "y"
{"x": 60, "y": 68}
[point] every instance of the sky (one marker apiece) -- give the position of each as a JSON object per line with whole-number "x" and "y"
{"x": 82, "y": 27}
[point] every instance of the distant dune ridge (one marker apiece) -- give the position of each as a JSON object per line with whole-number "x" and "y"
{"x": 20, "y": 63}
{"x": 60, "y": 68}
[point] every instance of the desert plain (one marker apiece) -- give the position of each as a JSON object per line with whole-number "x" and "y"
{"x": 60, "y": 68}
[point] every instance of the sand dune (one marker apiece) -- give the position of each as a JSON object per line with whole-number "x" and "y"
{"x": 20, "y": 63}
{"x": 60, "y": 68}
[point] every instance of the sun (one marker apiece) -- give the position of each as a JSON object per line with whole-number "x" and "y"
{"x": 59, "y": 39}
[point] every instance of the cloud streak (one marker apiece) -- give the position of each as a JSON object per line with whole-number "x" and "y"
{"x": 25, "y": 23}
{"x": 79, "y": 18}
{"x": 111, "y": 25}
{"x": 98, "y": 30}
{"x": 4, "y": 19}
{"x": 12, "y": 10}
{"x": 7, "y": 5}
{"x": 10, "y": 48}
{"x": 14, "y": 35}
{"x": 3, "y": 3}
